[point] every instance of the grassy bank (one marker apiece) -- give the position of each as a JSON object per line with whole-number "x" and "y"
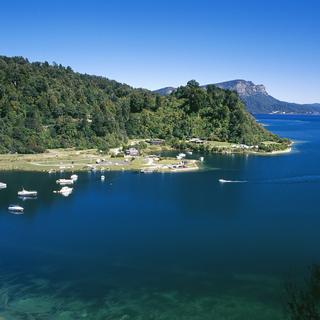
{"x": 90, "y": 159}
{"x": 115, "y": 160}
{"x": 264, "y": 148}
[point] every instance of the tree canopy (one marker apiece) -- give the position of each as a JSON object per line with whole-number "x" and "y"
{"x": 50, "y": 106}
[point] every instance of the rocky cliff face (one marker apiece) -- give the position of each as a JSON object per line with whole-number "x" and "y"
{"x": 243, "y": 88}
{"x": 165, "y": 91}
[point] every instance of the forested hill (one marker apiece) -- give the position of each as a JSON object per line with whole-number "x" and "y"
{"x": 256, "y": 98}
{"x": 49, "y": 106}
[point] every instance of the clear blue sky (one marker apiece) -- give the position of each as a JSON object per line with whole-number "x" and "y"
{"x": 153, "y": 44}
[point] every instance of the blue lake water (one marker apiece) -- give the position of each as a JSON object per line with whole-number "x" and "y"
{"x": 166, "y": 246}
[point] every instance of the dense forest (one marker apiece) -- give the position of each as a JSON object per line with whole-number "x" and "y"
{"x": 50, "y": 106}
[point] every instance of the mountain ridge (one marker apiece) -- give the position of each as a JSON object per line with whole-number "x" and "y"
{"x": 257, "y": 99}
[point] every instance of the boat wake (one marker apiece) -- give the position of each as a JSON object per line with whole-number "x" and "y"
{"x": 289, "y": 180}
{"x": 232, "y": 181}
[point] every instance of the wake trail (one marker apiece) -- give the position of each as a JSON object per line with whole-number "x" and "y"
{"x": 289, "y": 180}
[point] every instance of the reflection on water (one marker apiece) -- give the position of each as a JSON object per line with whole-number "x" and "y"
{"x": 165, "y": 246}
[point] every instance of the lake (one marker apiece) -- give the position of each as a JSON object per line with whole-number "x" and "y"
{"x": 166, "y": 246}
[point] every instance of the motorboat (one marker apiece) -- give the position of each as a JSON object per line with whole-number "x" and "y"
{"x": 180, "y": 156}
{"x": 64, "y": 182}
{"x": 3, "y": 185}
{"x": 15, "y": 208}
{"x": 26, "y": 193}
{"x": 232, "y": 181}
{"x": 65, "y": 191}
{"x": 201, "y": 159}
{"x": 147, "y": 170}
{"x": 74, "y": 177}
{"x": 103, "y": 178}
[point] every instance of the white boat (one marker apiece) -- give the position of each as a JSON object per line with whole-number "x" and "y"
{"x": 147, "y": 170}
{"x": 65, "y": 191}
{"x": 74, "y": 177}
{"x": 64, "y": 182}
{"x": 189, "y": 153}
{"x": 15, "y": 208}
{"x": 3, "y": 185}
{"x": 223, "y": 180}
{"x": 181, "y": 156}
{"x": 103, "y": 178}
{"x": 26, "y": 193}
{"x": 201, "y": 159}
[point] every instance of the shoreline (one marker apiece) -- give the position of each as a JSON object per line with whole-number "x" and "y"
{"x": 72, "y": 160}
{"x": 274, "y": 153}
{"x": 288, "y": 150}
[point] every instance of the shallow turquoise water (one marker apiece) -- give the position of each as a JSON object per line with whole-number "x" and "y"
{"x": 166, "y": 246}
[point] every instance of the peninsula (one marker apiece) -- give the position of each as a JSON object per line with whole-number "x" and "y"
{"x": 49, "y": 111}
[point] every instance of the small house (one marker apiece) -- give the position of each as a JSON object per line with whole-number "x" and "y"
{"x": 132, "y": 152}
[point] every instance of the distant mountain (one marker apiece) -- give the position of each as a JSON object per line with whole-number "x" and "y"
{"x": 165, "y": 91}
{"x": 257, "y": 99}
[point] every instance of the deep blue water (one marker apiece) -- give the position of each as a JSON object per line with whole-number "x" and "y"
{"x": 166, "y": 246}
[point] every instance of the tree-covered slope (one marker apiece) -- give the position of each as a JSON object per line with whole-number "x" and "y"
{"x": 49, "y": 106}
{"x": 256, "y": 98}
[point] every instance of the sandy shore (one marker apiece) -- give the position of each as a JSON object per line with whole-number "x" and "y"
{"x": 276, "y": 152}
{"x": 288, "y": 150}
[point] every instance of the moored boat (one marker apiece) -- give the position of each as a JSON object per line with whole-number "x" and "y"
{"x": 147, "y": 170}
{"x": 65, "y": 191}
{"x": 3, "y": 185}
{"x": 64, "y": 182}
{"x": 26, "y": 193}
{"x": 180, "y": 156}
{"x": 74, "y": 177}
{"x": 15, "y": 208}
{"x": 103, "y": 178}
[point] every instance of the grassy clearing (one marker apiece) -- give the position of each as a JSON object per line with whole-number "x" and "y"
{"x": 264, "y": 148}
{"x": 80, "y": 160}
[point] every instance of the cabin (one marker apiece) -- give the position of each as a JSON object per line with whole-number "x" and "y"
{"x": 132, "y": 152}
{"x": 179, "y": 165}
